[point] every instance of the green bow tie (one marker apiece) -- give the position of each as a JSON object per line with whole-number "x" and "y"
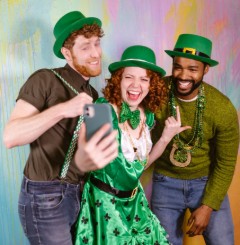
{"x": 133, "y": 117}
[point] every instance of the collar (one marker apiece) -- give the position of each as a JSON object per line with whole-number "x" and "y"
{"x": 75, "y": 78}
{"x": 193, "y": 99}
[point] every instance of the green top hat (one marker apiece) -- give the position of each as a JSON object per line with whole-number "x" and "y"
{"x": 193, "y": 47}
{"x": 137, "y": 56}
{"x": 69, "y": 23}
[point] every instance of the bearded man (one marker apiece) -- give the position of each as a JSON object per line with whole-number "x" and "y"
{"x": 48, "y": 109}
{"x": 197, "y": 167}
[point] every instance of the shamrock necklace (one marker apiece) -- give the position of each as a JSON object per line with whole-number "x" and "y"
{"x": 181, "y": 153}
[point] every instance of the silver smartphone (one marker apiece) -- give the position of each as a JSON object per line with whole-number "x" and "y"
{"x": 95, "y": 116}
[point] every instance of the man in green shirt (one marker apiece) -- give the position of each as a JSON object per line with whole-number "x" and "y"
{"x": 197, "y": 167}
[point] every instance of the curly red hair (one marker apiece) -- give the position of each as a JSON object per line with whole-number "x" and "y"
{"x": 87, "y": 31}
{"x": 155, "y": 99}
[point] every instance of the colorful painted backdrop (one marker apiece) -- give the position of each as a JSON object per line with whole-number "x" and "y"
{"x": 26, "y": 42}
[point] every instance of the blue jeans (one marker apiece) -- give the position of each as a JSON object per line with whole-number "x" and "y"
{"x": 48, "y": 211}
{"x": 170, "y": 199}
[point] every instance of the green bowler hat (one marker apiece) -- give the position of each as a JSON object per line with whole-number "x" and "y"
{"x": 193, "y": 47}
{"x": 69, "y": 23}
{"x": 137, "y": 56}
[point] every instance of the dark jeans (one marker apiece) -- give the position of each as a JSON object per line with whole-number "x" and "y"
{"x": 170, "y": 199}
{"x": 48, "y": 211}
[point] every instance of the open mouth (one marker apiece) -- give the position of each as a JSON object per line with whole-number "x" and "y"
{"x": 94, "y": 62}
{"x": 133, "y": 95}
{"x": 184, "y": 84}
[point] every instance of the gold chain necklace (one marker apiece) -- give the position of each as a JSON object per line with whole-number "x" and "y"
{"x": 144, "y": 162}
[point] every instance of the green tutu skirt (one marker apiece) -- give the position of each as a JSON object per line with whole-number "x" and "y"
{"x": 106, "y": 219}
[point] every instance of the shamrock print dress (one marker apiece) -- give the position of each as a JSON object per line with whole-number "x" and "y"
{"x": 108, "y": 219}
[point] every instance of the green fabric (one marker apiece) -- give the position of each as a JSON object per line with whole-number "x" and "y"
{"x": 194, "y": 47}
{"x": 133, "y": 117}
{"x": 106, "y": 219}
{"x": 217, "y": 156}
{"x": 137, "y": 56}
{"x": 149, "y": 118}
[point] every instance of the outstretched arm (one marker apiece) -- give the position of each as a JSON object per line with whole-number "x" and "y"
{"x": 26, "y": 123}
{"x": 172, "y": 127}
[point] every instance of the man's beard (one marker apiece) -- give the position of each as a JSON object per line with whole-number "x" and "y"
{"x": 84, "y": 70}
{"x": 194, "y": 86}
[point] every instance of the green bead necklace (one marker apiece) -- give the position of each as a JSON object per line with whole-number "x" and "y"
{"x": 181, "y": 153}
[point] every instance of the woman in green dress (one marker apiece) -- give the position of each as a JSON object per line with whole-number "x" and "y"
{"x": 114, "y": 208}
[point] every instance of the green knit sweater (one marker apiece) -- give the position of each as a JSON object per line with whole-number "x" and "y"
{"x": 217, "y": 156}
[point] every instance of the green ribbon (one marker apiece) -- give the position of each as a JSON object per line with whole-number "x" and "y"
{"x": 133, "y": 117}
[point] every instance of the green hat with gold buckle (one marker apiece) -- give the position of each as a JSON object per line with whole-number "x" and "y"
{"x": 137, "y": 56}
{"x": 69, "y": 23}
{"x": 193, "y": 47}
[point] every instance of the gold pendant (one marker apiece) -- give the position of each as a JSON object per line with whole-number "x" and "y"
{"x": 180, "y": 158}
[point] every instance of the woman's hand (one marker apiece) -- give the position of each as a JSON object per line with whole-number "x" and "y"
{"x": 98, "y": 151}
{"x": 173, "y": 127}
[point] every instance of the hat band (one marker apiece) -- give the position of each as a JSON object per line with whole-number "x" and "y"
{"x": 192, "y": 51}
{"x": 139, "y": 60}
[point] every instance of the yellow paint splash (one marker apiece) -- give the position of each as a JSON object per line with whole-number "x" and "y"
{"x": 15, "y": 2}
{"x": 185, "y": 16}
{"x": 106, "y": 18}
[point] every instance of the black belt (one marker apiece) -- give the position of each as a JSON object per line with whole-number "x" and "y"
{"x": 191, "y": 51}
{"x": 109, "y": 189}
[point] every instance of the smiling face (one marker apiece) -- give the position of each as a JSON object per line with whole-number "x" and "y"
{"x": 85, "y": 56}
{"x": 187, "y": 76}
{"x": 134, "y": 86}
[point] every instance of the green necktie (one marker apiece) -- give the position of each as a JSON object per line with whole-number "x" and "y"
{"x": 133, "y": 117}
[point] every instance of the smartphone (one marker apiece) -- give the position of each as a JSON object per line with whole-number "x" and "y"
{"x": 95, "y": 116}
